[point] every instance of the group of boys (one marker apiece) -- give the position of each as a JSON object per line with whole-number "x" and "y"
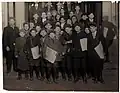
{"x": 55, "y": 42}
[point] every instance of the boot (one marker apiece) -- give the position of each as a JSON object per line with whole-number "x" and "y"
{"x": 49, "y": 81}
{"x": 76, "y": 80}
{"x": 31, "y": 79}
{"x": 26, "y": 77}
{"x": 38, "y": 78}
{"x": 19, "y": 77}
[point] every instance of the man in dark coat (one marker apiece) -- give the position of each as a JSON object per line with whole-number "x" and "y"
{"x": 10, "y": 33}
{"x": 109, "y": 32}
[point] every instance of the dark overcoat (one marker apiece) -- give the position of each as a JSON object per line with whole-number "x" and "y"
{"x": 22, "y": 62}
{"x": 30, "y": 43}
{"x": 9, "y": 36}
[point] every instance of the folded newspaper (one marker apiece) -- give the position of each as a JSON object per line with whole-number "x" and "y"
{"x": 35, "y": 52}
{"x": 99, "y": 50}
{"x": 83, "y": 43}
{"x": 50, "y": 55}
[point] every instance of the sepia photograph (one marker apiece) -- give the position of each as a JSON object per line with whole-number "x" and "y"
{"x": 61, "y": 46}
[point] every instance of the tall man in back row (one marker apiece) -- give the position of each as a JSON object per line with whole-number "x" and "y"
{"x": 109, "y": 33}
{"x": 10, "y": 33}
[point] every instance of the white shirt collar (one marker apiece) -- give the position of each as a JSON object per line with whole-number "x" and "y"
{"x": 43, "y": 20}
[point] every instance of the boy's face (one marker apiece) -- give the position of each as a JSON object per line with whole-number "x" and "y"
{"x": 77, "y": 8}
{"x": 57, "y": 30}
{"x": 44, "y": 15}
{"x": 52, "y": 35}
{"x": 84, "y": 17}
{"x": 36, "y": 4}
{"x": 87, "y": 30}
{"x": 35, "y": 16}
{"x": 91, "y": 16}
{"x": 11, "y": 21}
{"x": 93, "y": 29}
{"x": 22, "y": 34}
{"x": 74, "y": 19}
{"x": 48, "y": 26}
{"x": 31, "y": 25}
{"x": 49, "y": 14}
{"x": 33, "y": 33}
{"x": 26, "y": 27}
{"x": 62, "y": 20}
{"x": 71, "y": 14}
{"x": 58, "y": 17}
{"x": 77, "y": 28}
{"x": 58, "y": 23}
{"x": 68, "y": 30}
{"x": 38, "y": 28}
{"x": 49, "y": 4}
{"x": 59, "y": 5}
{"x": 43, "y": 33}
{"x": 54, "y": 13}
{"x": 62, "y": 11}
{"x": 69, "y": 21}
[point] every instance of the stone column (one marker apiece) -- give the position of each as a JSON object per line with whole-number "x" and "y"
{"x": 107, "y": 9}
{"x": 20, "y": 13}
{"x": 4, "y": 14}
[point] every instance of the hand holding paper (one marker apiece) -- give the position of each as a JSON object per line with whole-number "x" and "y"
{"x": 35, "y": 52}
{"x": 99, "y": 50}
{"x": 50, "y": 55}
{"x": 83, "y": 43}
